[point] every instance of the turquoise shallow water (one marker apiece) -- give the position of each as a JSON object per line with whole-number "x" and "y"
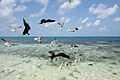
{"x": 68, "y": 40}
{"x": 91, "y": 48}
{"x": 98, "y": 57}
{"x": 91, "y": 52}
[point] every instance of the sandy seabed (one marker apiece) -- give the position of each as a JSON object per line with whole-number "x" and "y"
{"x": 31, "y": 62}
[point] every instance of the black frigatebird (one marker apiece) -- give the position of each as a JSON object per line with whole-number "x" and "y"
{"x": 27, "y": 27}
{"x": 46, "y": 21}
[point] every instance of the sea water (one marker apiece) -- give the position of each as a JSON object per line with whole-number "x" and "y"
{"x": 94, "y": 58}
{"x": 67, "y": 40}
{"x": 93, "y": 47}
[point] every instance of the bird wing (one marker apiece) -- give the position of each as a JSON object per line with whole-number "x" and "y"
{"x": 50, "y": 20}
{"x": 43, "y": 21}
{"x": 27, "y": 26}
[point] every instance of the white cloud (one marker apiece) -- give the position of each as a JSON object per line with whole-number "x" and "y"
{"x": 6, "y": 21}
{"x": 103, "y": 28}
{"x": 6, "y": 8}
{"x": 66, "y": 6}
{"x": 7, "y": 12}
{"x": 65, "y": 19}
{"x": 20, "y": 8}
{"x": 25, "y": 1}
{"x": 36, "y": 14}
{"x": 7, "y": 3}
{"x": 43, "y": 2}
{"x": 60, "y": 1}
{"x": 49, "y": 24}
{"x": 103, "y": 11}
{"x": 97, "y": 22}
{"x": 117, "y": 19}
{"x": 88, "y": 24}
{"x": 84, "y": 20}
{"x": 94, "y": 23}
{"x": 15, "y": 27}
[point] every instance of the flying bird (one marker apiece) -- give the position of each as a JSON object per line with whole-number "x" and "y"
{"x": 6, "y": 43}
{"x": 61, "y": 24}
{"x": 74, "y": 29}
{"x": 27, "y": 27}
{"x": 46, "y": 21}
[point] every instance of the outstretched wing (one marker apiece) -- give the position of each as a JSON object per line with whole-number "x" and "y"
{"x": 50, "y": 20}
{"x": 46, "y": 21}
{"x": 27, "y": 27}
{"x": 43, "y": 21}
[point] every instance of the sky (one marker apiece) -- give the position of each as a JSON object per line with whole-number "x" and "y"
{"x": 92, "y": 17}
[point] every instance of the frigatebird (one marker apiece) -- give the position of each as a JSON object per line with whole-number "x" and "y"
{"x": 27, "y": 27}
{"x": 46, "y": 21}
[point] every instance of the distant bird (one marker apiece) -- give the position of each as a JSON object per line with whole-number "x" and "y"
{"x": 53, "y": 55}
{"x": 38, "y": 39}
{"x": 61, "y": 24}
{"x": 6, "y": 43}
{"x": 27, "y": 27}
{"x": 47, "y": 21}
{"x": 74, "y": 29}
